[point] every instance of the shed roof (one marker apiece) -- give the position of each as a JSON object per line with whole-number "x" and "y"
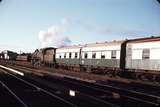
{"x": 107, "y": 43}
{"x": 97, "y": 44}
{"x": 146, "y": 39}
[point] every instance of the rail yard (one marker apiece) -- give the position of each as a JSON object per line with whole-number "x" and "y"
{"x": 110, "y": 74}
{"x": 79, "y": 53}
{"x": 45, "y": 87}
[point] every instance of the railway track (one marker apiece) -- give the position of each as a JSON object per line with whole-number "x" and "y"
{"x": 138, "y": 87}
{"x": 117, "y": 95}
{"x": 111, "y": 93}
{"x": 30, "y": 93}
{"x": 8, "y": 98}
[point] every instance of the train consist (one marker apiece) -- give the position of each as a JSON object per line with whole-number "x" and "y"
{"x": 132, "y": 58}
{"x": 135, "y": 57}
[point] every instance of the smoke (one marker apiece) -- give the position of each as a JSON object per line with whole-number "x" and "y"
{"x": 54, "y": 35}
{"x": 109, "y": 29}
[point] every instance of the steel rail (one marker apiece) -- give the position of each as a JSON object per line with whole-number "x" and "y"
{"x": 122, "y": 92}
{"x": 91, "y": 97}
{"x": 43, "y": 90}
{"x": 12, "y": 93}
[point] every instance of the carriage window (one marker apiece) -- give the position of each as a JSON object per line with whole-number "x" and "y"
{"x": 103, "y": 55}
{"x": 129, "y": 51}
{"x": 113, "y": 54}
{"x": 76, "y": 55}
{"x": 60, "y": 56}
{"x": 70, "y": 55}
{"x": 145, "y": 54}
{"x": 85, "y": 55}
{"x": 64, "y": 55}
{"x": 94, "y": 55}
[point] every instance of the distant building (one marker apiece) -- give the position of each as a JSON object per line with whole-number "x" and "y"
{"x": 8, "y": 55}
{"x": 24, "y": 57}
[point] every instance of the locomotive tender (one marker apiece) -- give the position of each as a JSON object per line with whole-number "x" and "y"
{"x": 128, "y": 55}
{"x": 44, "y": 55}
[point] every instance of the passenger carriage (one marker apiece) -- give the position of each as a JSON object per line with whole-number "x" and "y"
{"x": 142, "y": 60}
{"x": 143, "y": 54}
{"x": 102, "y": 54}
{"x": 69, "y": 57}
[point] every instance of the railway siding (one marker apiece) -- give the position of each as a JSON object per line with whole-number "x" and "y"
{"x": 116, "y": 93}
{"x": 34, "y": 93}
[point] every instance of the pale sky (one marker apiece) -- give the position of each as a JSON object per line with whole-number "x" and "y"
{"x": 84, "y": 21}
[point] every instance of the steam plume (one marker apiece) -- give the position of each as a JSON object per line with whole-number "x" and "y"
{"x": 54, "y": 35}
